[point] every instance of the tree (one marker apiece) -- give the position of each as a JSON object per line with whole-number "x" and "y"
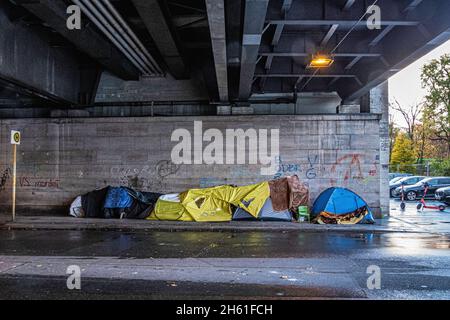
{"x": 393, "y": 133}
{"x": 436, "y": 115}
{"x": 403, "y": 153}
{"x": 411, "y": 115}
{"x": 421, "y": 136}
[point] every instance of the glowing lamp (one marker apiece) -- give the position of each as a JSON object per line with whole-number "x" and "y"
{"x": 321, "y": 61}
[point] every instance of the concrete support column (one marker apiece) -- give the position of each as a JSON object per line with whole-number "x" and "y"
{"x": 224, "y": 110}
{"x": 349, "y": 108}
{"x": 379, "y": 104}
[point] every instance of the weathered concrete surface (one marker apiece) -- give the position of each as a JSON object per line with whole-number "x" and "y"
{"x": 153, "y": 15}
{"x": 69, "y": 223}
{"x": 408, "y": 221}
{"x": 217, "y": 27}
{"x": 56, "y": 76}
{"x": 379, "y": 104}
{"x": 112, "y": 89}
{"x": 86, "y": 39}
{"x": 62, "y": 158}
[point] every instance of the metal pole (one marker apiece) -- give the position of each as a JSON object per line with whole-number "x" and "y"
{"x": 14, "y": 182}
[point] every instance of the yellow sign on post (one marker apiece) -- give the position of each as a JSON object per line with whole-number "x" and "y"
{"x": 15, "y": 141}
{"x": 15, "y": 137}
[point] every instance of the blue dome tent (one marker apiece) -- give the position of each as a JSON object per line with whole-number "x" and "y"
{"x": 341, "y": 206}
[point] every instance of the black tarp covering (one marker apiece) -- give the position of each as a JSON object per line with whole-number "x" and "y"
{"x": 142, "y": 205}
{"x": 92, "y": 203}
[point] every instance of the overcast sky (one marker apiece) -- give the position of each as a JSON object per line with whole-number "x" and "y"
{"x": 406, "y": 86}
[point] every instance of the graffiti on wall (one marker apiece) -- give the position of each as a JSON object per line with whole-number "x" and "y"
{"x": 33, "y": 182}
{"x": 311, "y": 172}
{"x": 4, "y": 178}
{"x": 348, "y": 169}
{"x": 133, "y": 177}
{"x": 286, "y": 169}
{"x": 166, "y": 168}
{"x": 308, "y": 171}
{"x": 144, "y": 177}
{"x": 123, "y": 173}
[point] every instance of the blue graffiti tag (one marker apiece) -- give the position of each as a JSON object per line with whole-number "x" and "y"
{"x": 286, "y": 168}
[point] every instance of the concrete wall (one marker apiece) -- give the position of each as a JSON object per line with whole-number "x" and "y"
{"x": 379, "y": 104}
{"x": 317, "y": 102}
{"x": 61, "y": 158}
{"x": 56, "y": 74}
{"x": 112, "y": 89}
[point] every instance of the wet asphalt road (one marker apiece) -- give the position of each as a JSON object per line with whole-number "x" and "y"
{"x": 231, "y": 265}
{"x": 223, "y": 265}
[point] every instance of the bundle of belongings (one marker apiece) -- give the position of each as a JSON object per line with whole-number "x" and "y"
{"x": 114, "y": 203}
{"x": 341, "y": 206}
{"x": 274, "y": 200}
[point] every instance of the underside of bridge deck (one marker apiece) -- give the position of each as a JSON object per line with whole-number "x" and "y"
{"x": 211, "y": 51}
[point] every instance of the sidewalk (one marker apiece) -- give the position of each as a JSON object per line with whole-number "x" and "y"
{"x": 390, "y": 224}
{"x": 409, "y": 221}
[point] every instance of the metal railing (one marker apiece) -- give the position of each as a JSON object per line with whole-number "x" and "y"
{"x": 429, "y": 168}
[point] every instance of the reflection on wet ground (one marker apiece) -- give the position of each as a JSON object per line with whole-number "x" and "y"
{"x": 210, "y": 244}
{"x": 216, "y": 264}
{"x": 429, "y": 220}
{"x": 230, "y": 264}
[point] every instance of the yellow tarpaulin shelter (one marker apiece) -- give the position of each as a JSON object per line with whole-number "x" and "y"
{"x": 170, "y": 211}
{"x": 212, "y": 204}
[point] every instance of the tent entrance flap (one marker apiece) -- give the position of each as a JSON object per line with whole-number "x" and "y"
{"x": 267, "y": 213}
{"x": 341, "y": 206}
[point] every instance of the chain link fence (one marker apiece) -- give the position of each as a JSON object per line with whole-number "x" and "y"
{"x": 428, "y": 169}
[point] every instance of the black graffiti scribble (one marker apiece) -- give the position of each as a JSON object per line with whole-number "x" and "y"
{"x": 5, "y": 176}
{"x": 166, "y": 168}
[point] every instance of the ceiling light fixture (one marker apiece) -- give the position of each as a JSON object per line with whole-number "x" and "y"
{"x": 321, "y": 61}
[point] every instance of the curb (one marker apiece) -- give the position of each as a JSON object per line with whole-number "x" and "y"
{"x": 199, "y": 227}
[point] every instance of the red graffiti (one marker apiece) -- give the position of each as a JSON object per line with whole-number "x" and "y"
{"x": 28, "y": 182}
{"x": 373, "y": 171}
{"x": 351, "y": 170}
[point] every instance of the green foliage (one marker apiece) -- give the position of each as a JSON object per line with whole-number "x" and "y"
{"x": 403, "y": 153}
{"x": 441, "y": 167}
{"x": 436, "y": 115}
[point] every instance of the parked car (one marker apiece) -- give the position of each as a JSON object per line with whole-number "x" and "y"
{"x": 393, "y": 175}
{"x": 395, "y": 179}
{"x": 415, "y": 191}
{"x": 443, "y": 195}
{"x": 406, "y": 181}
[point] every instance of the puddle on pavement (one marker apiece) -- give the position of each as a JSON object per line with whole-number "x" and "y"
{"x": 411, "y": 242}
{"x": 212, "y": 244}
